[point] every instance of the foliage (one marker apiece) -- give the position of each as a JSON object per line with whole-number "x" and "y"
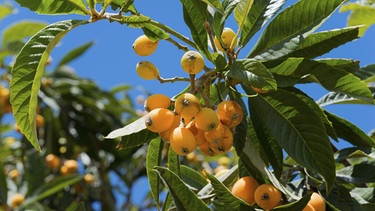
{"x": 286, "y": 138}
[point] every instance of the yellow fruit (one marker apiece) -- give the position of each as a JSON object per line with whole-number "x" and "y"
{"x": 224, "y": 161}
{"x": 5, "y": 106}
{"x": 259, "y": 90}
{"x": 224, "y": 144}
{"x": 214, "y": 136}
{"x": 227, "y": 36}
{"x": 230, "y": 113}
{"x": 156, "y": 101}
{"x": 89, "y": 179}
{"x": 39, "y": 121}
{"x": 159, "y": 120}
{"x": 206, "y": 119}
{"x": 13, "y": 174}
{"x": 17, "y": 200}
{"x": 187, "y": 106}
{"x": 165, "y": 135}
{"x": 198, "y": 133}
{"x": 182, "y": 141}
{"x": 71, "y": 166}
{"x": 316, "y": 202}
{"x": 244, "y": 188}
{"x": 207, "y": 150}
{"x": 192, "y": 62}
{"x": 143, "y": 46}
{"x": 267, "y": 196}
{"x": 147, "y": 70}
{"x": 52, "y": 161}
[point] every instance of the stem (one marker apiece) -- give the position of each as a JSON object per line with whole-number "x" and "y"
{"x": 171, "y": 80}
{"x": 192, "y": 82}
{"x": 178, "y": 45}
{"x": 210, "y": 35}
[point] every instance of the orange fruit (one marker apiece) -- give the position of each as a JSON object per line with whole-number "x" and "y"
{"x": 17, "y": 200}
{"x": 13, "y": 174}
{"x": 89, "y": 179}
{"x": 143, "y": 46}
{"x": 214, "y": 136}
{"x": 198, "y": 133}
{"x": 187, "y": 105}
{"x": 165, "y": 135}
{"x": 52, "y": 161}
{"x": 206, "y": 119}
{"x": 227, "y": 36}
{"x": 156, "y": 101}
{"x": 230, "y": 113}
{"x": 159, "y": 120}
{"x": 267, "y": 196}
{"x": 182, "y": 141}
{"x": 192, "y": 62}
{"x": 244, "y": 188}
{"x": 224, "y": 144}
{"x": 147, "y": 70}
{"x": 40, "y": 122}
{"x": 207, "y": 150}
{"x": 316, "y": 202}
{"x": 71, "y": 166}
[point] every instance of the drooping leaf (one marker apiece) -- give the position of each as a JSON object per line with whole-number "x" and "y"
{"x": 74, "y": 54}
{"x": 340, "y": 98}
{"x": 296, "y": 205}
{"x": 27, "y": 72}
{"x": 5, "y": 10}
{"x": 174, "y": 162}
{"x": 195, "y": 14}
{"x": 363, "y": 172}
{"x": 20, "y": 31}
{"x": 154, "y": 33}
{"x": 350, "y": 132}
{"x": 260, "y": 13}
{"x": 359, "y": 15}
{"x": 183, "y": 197}
{"x": 353, "y": 152}
{"x": 298, "y": 129}
{"x": 367, "y": 73}
{"x": 290, "y": 27}
{"x": 153, "y": 158}
{"x": 136, "y": 139}
{"x": 321, "y": 43}
{"x": 241, "y": 13}
{"x": 252, "y": 73}
{"x": 55, "y": 7}
{"x": 192, "y": 177}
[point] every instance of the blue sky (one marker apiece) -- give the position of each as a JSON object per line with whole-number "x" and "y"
{"x": 111, "y": 61}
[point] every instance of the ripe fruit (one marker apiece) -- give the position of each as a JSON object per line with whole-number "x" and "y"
{"x": 71, "y": 166}
{"x": 224, "y": 144}
{"x": 39, "y": 121}
{"x": 192, "y": 62}
{"x": 207, "y": 150}
{"x": 244, "y": 188}
{"x": 206, "y": 119}
{"x": 156, "y": 101}
{"x": 227, "y": 36}
{"x": 89, "y": 179}
{"x": 198, "y": 133}
{"x": 147, "y": 70}
{"x": 143, "y": 46}
{"x": 165, "y": 135}
{"x": 214, "y": 136}
{"x": 159, "y": 120}
{"x": 4, "y": 100}
{"x": 230, "y": 113}
{"x": 187, "y": 106}
{"x": 13, "y": 174}
{"x": 316, "y": 202}
{"x": 182, "y": 141}
{"x": 267, "y": 196}
{"x": 17, "y": 200}
{"x": 52, "y": 161}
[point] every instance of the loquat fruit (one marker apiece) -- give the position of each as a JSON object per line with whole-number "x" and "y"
{"x": 244, "y": 188}
{"x": 227, "y": 37}
{"x": 267, "y": 196}
{"x": 40, "y": 122}
{"x": 156, "y": 101}
{"x": 143, "y": 46}
{"x": 71, "y": 166}
{"x": 192, "y": 62}
{"x": 147, "y": 70}
{"x": 230, "y": 113}
{"x": 165, "y": 135}
{"x": 198, "y": 133}
{"x": 316, "y": 202}
{"x": 206, "y": 119}
{"x": 207, "y": 150}
{"x": 182, "y": 141}
{"x": 187, "y": 106}
{"x": 52, "y": 161}
{"x": 89, "y": 179}
{"x": 214, "y": 136}
{"x": 224, "y": 144}
{"x": 159, "y": 120}
{"x": 17, "y": 200}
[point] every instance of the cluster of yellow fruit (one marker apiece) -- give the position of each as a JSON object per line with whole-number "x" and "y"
{"x": 267, "y": 196}
{"x": 5, "y": 106}
{"x": 190, "y": 126}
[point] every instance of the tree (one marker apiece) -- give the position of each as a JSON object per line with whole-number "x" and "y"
{"x": 285, "y": 138}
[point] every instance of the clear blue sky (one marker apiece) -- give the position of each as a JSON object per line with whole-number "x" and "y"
{"x": 111, "y": 61}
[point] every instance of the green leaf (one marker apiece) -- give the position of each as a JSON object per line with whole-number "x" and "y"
{"x": 260, "y": 13}
{"x": 154, "y": 33}
{"x": 341, "y": 199}
{"x": 350, "y": 132}
{"x": 340, "y": 98}
{"x": 34, "y": 170}
{"x": 241, "y": 12}
{"x": 215, "y": 4}
{"x": 359, "y": 15}
{"x": 153, "y": 158}
{"x": 137, "y": 139}
{"x": 290, "y": 27}
{"x": 3, "y": 185}
{"x": 55, "y": 7}
{"x": 298, "y": 129}
{"x": 367, "y": 73}
{"x": 195, "y": 15}
{"x": 321, "y": 43}
{"x": 74, "y": 54}
{"x": 174, "y": 162}
{"x": 192, "y": 177}
{"x": 135, "y": 21}
{"x": 363, "y": 172}
{"x": 76, "y": 206}
{"x": 183, "y": 197}
{"x": 353, "y": 152}
{"x": 221, "y": 16}
{"x": 364, "y": 194}
{"x": 27, "y": 72}
{"x": 20, "y": 31}
{"x": 252, "y": 73}
{"x": 296, "y": 205}
{"x": 5, "y": 10}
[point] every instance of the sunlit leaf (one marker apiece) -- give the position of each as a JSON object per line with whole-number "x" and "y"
{"x": 359, "y": 15}
{"x": 154, "y": 33}
{"x": 183, "y": 197}
{"x": 135, "y": 21}
{"x": 215, "y": 4}
{"x": 241, "y": 12}
{"x": 27, "y": 72}
{"x": 20, "y": 31}
{"x": 75, "y": 53}
{"x": 221, "y": 16}
{"x": 55, "y": 7}
{"x": 340, "y": 98}
{"x": 367, "y": 73}
{"x": 290, "y": 27}
{"x": 5, "y": 10}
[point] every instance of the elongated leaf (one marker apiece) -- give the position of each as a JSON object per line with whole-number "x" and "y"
{"x": 192, "y": 177}
{"x": 174, "y": 162}
{"x": 76, "y": 206}
{"x": 260, "y": 13}
{"x": 74, "y": 54}
{"x": 241, "y": 12}
{"x": 290, "y": 27}
{"x": 27, "y": 71}
{"x": 154, "y": 33}
{"x": 252, "y": 73}
{"x": 5, "y": 10}
{"x": 135, "y": 21}
{"x": 153, "y": 158}
{"x": 20, "y": 30}
{"x": 363, "y": 172}
{"x": 55, "y": 7}
{"x": 195, "y": 13}
{"x": 340, "y": 98}
{"x": 221, "y": 16}
{"x": 137, "y": 139}
{"x": 298, "y": 130}
{"x": 322, "y": 42}
{"x": 359, "y": 15}
{"x": 129, "y": 129}
{"x": 350, "y": 132}
{"x": 3, "y": 186}
{"x": 367, "y": 73}
{"x": 341, "y": 199}
{"x": 183, "y": 197}
{"x": 296, "y": 205}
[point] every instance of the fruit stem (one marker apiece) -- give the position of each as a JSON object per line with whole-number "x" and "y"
{"x": 171, "y": 80}
{"x": 192, "y": 82}
{"x": 210, "y": 35}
